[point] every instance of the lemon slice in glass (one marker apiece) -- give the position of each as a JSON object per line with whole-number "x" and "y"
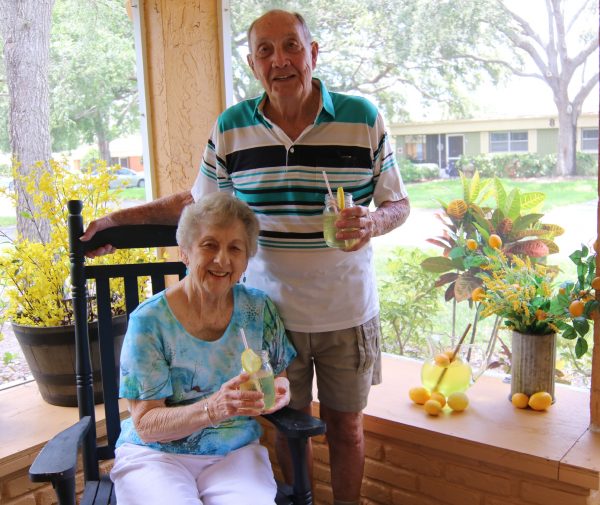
{"x": 340, "y": 198}
{"x": 251, "y": 361}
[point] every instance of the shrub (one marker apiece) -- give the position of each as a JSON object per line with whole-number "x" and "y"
{"x": 415, "y": 172}
{"x": 409, "y": 303}
{"x": 586, "y": 164}
{"x": 36, "y": 274}
{"x": 515, "y": 166}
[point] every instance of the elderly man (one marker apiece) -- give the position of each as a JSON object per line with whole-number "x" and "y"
{"x": 271, "y": 152}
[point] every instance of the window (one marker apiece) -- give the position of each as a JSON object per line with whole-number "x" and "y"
{"x": 505, "y": 142}
{"x": 589, "y": 139}
{"x": 414, "y": 147}
{"x": 124, "y": 162}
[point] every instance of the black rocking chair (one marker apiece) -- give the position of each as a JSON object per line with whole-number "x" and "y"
{"x": 57, "y": 461}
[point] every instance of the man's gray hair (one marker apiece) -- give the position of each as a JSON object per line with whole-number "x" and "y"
{"x": 297, "y": 15}
{"x": 217, "y": 209}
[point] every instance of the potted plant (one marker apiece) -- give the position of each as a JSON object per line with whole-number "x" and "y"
{"x": 523, "y": 294}
{"x": 470, "y": 224}
{"x": 36, "y": 273}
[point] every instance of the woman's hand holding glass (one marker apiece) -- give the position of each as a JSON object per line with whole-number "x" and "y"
{"x": 282, "y": 394}
{"x": 230, "y": 400}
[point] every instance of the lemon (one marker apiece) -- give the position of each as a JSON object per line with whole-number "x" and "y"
{"x": 340, "y": 198}
{"x": 442, "y": 360}
{"x": 432, "y": 407}
{"x": 471, "y": 244}
{"x": 540, "y": 400}
{"x": 520, "y": 400}
{"x": 251, "y": 361}
{"x": 458, "y": 401}
{"x": 419, "y": 395}
{"x": 439, "y": 397}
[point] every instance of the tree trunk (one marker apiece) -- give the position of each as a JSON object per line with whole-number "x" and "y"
{"x": 25, "y": 28}
{"x": 567, "y": 140}
{"x": 101, "y": 138}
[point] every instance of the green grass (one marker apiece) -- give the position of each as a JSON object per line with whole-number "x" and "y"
{"x": 558, "y": 192}
{"x": 134, "y": 194}
{"x": 8, "y": 220}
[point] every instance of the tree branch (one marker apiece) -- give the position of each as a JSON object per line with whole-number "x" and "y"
{"x": 585, "y": 90}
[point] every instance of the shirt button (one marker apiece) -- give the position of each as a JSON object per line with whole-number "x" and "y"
{"x": 291, "y": 149}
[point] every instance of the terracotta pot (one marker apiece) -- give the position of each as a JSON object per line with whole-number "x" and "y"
{"x": 50, "y": 354}
{"x": 533, "y": 363}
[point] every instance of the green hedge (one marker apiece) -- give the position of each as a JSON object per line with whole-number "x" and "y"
{"x": 416, "y": 172}
{"x": 514, "y": 166}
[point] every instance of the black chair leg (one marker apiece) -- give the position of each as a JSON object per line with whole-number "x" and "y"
{"x": 302, "y": 483}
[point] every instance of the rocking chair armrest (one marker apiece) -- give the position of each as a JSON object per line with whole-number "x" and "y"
{"x": 57, "y": 461}
{"x": 295, "y": 424}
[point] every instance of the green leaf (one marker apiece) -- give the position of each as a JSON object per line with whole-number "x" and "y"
{"x": 562, "y": 326}
{"x": 497, "y": 218}
{"x": 513, "y": 204}
{"x": 485, "y": 234}
{"x": 438, "y": 264}
{"x": 456, "y": 252}
{"x": 576, "y": 257}
{"x": 581, "y": 347}
{"x": 500, "y": 193}
{"x": 569, "y": 333}
{"x": 475, "y": 187}
{"x": 475, "y": 261}
{"x": 581, "y": 325}
{"x": 532, "y": 200}
{"x": 590, "y": 306}
{"x": 465, "y": 185}
{"x": 524, "y": 222}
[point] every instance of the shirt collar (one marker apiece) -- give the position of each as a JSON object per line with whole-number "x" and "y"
{"x": 327, "y": 108}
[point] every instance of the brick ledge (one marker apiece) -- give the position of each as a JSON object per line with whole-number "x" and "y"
{"x": 556, "y": 444}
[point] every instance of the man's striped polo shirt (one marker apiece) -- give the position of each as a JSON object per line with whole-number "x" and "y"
{"x": 282, "y": 181}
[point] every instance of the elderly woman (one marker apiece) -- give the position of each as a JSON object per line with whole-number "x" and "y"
{"x": 191, "y": 437}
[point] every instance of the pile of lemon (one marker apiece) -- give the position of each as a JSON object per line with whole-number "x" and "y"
{"x": 434, "y": 402}
{"x": 541, "y": 400}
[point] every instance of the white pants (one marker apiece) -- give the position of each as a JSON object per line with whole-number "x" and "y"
{"x": 144, "y": 476}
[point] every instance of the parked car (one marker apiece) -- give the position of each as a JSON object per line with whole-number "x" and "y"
{"x": 127, "y": 178}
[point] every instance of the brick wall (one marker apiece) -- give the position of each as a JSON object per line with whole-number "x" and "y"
{"x": 396, "y": 473}
{"x": 400, "y": 473}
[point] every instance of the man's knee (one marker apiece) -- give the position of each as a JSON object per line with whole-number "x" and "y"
{"x": 344, "y": 426}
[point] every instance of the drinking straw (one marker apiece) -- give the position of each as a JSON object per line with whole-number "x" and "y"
{"x": 328, "y": 186}
{"x": 244, "y": 338}
{"x": 456, "y": 349}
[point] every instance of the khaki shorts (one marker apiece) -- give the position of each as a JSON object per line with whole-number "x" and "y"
{"x": 347, "y": 363}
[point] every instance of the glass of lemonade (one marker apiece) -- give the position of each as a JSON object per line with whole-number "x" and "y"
{"x": 457, "y": 375}
{"x": 449, "y": 377}
{"x": 330, "y": 216}
{"x": 262, "y": 380}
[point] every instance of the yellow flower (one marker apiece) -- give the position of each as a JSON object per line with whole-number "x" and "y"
{"x": 36, "y": 274}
